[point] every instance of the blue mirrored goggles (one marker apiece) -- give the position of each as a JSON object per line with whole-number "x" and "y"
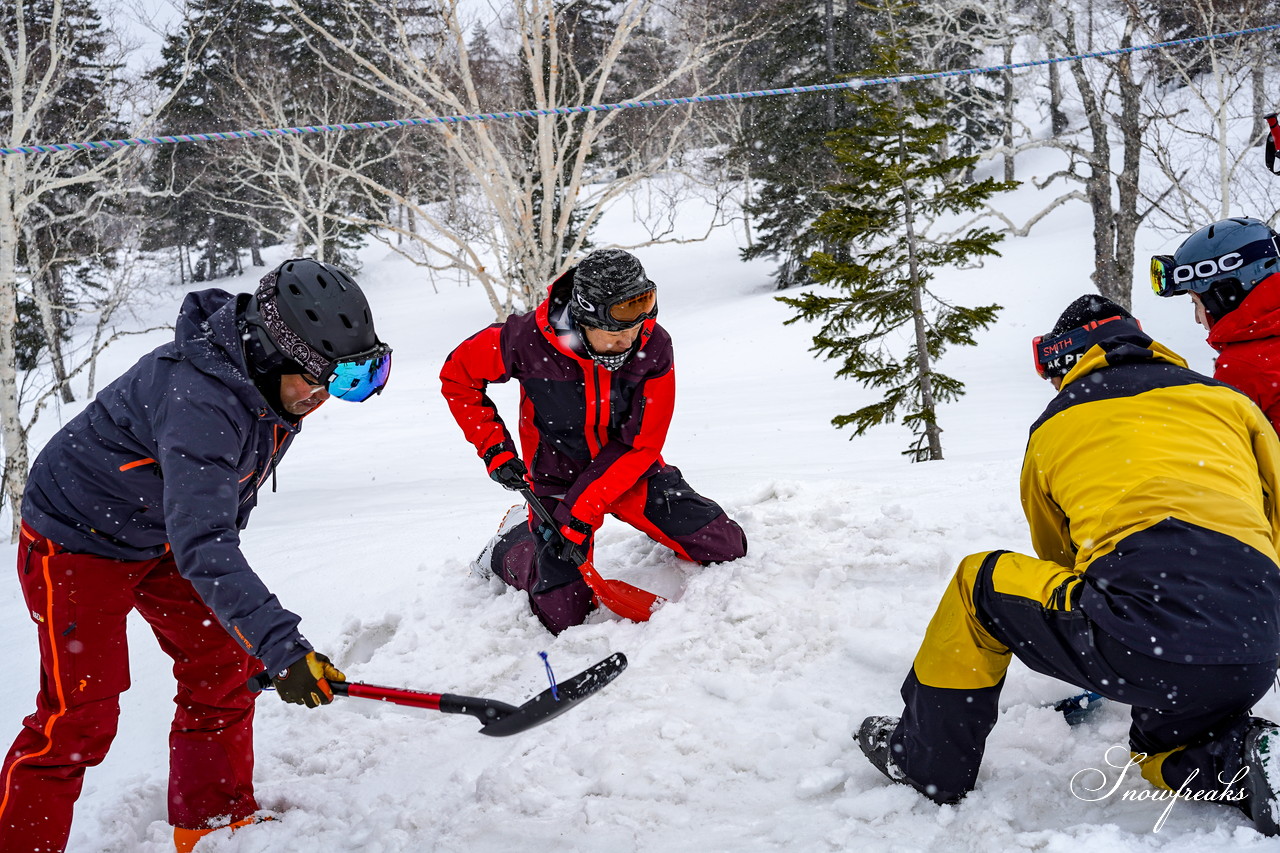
{"x": 358, "y": 377}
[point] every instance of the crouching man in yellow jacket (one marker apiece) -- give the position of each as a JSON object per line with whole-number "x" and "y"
{"x": 1150, "y": 491}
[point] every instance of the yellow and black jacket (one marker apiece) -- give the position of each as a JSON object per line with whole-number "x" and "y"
{"x": 1157, "y": 486}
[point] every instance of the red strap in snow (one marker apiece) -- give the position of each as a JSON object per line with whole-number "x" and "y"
{"x": 1273, "y": 142}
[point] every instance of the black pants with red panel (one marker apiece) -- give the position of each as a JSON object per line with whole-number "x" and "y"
{"x": 79, "y": 604}
{"x": 663, "y": 506}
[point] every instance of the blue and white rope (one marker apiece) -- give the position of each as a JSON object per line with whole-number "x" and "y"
{"x": 623, "y": 105}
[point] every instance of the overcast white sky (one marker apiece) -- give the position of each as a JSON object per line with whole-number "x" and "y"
{"x": 141, "y": 25}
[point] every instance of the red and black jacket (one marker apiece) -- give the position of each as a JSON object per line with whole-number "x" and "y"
{"x": 1248, "y": 342}
{"x": 587, "y": 434}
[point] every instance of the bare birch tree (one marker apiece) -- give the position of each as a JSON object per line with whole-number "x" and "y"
{"x": 962, "y": 33}
{"x": 296, "y": 179}
{"x": 1103, "y": 158}
{"x": 533, "y": 189}
{"x": 41, "y": 62}
{"x": 1203, "y": 149}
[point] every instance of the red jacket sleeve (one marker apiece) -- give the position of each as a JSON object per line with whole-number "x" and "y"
{"x": 466, "y": 374}
{"x": 621, "y": 462}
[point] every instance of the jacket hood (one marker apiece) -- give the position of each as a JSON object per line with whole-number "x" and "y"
{"x": 207, "y": 334}
{"x": 1129, "y": 348}
{"x": 1257, "y": 317}
{"x": 558, "y": 291}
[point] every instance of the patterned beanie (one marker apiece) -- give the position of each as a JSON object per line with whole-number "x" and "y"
{"x": 286, "y": 339}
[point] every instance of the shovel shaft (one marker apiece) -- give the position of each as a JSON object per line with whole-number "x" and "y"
{"x": 628, "y": 601}
{"x": 395, "y": 695}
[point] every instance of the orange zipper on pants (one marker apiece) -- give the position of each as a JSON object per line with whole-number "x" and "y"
{"x": 56, "y": 666}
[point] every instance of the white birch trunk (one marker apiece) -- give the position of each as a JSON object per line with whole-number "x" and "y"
{"x": 15, "y": 437}
{"x": 36, "y": 70}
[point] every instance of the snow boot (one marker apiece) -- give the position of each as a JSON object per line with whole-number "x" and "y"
{"x": 482, "y": 566}
{"x": 874, "y": 736}
{"x": 184, "y": 840}
{"x": 1262, "y": 756}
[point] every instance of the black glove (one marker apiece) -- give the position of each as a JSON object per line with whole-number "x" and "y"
{"x": 306, "y": 681}
{"x": 566, "y": 550}
{"x": 510, "y": 475}
{"x": 557, "y": 569}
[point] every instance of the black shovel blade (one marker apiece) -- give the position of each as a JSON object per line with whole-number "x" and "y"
{"x": 545, "y": 706}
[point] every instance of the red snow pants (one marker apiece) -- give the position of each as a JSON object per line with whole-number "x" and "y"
{"x": 79, "y": 603}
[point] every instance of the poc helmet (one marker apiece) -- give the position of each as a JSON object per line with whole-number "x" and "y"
{"x": 1221, "y": 262}
{"x": 311, "y": 317}
{"x": 611, "y": 291}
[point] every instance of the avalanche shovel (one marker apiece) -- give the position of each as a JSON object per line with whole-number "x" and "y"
{"x": 497, "y": 719}
{"x": 629, "y": 602}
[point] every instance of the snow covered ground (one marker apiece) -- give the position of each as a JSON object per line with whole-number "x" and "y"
{"x": 730, "y": 731}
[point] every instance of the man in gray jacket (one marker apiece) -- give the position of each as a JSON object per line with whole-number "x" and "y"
{"x": 137, "y": 504}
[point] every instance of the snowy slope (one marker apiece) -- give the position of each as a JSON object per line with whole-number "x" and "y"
{"x": 730, "y": 731}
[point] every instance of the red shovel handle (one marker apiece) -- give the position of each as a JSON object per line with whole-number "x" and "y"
{"x": 485, "y": 710}
{"x": 395, "y": 695}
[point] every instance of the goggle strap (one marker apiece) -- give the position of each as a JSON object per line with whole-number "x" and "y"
{"x": 1247, "y": 256}
{"x": 1064, "y": 344}
{"x": 379, "y": 350}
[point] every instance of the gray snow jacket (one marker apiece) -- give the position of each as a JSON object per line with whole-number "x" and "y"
{"x": 171, "y": 455}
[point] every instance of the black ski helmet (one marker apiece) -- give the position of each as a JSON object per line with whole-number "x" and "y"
{"x": 608, "y": 286}
{"x": 310, "y": 313}
{"x": 1221, "y": 262}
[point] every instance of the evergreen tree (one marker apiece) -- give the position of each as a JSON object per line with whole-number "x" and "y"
{"x": 641, "y": 64}
{"x": 206, "y": 211}
{"x": 783, "y": 148}
{"x": 895, "y": 187}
